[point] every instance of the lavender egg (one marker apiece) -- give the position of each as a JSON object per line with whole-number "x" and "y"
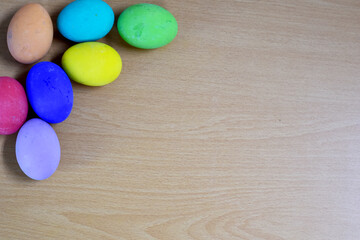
{"x": 37, "y": 149}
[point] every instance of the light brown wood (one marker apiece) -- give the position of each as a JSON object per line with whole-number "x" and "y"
{"x": 247, "y": 126}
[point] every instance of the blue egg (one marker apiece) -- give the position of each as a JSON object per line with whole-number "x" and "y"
{"x": 49, "y": 92}
{"x": 85, "y": 20}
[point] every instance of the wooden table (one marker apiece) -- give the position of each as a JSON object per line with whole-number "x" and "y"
{"x": 246, "y": 126}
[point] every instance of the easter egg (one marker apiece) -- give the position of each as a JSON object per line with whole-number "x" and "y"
{"x": 30, "y": 33}
{"x": 147, "y": 26}
{"x": 92, "y": 63}
{"x": 13, "y": 105}
{"x": 49, "y": 92}
{"x": 85, "y": 20}
{"x": 37, "y": 149}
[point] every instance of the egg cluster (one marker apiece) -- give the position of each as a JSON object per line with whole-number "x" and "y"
{"x": 48, "y": 87}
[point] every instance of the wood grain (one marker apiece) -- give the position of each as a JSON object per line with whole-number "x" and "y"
{"x": 246, "y": 126}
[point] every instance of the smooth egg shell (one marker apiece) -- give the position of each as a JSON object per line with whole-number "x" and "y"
{"x": 49, "y": 92}
{"x": 85, "y": 20}
{"x": 13, "y": 105}
{"x": 92, "y": 63}
{"x": 147, "y": 26}
{"x": 37, "y": 149}
{"x": 30, "y": 33}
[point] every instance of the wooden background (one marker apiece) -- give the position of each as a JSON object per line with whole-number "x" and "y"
{"x": 247, "y": 126}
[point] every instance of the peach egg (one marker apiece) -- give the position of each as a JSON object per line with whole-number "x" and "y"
{"x": 30, "y": 33}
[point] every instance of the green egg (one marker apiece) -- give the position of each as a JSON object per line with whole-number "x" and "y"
{"x": 147, "y": 26}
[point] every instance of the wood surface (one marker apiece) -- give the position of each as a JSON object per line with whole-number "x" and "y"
{"x": 246, "y": 126}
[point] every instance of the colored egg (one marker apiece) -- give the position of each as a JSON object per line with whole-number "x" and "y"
{"x": 85, "y": 20}
{"x": 37, "y": 149}
{"x": 49, "y": 92}
{"x": 147, "y": 26}
{"x": 13, "y": 105}
{"x": 92, "y": 63}
{"x": 30, "y": 33}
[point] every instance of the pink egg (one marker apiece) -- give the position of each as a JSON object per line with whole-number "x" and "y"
{"x": 13, "y": 105}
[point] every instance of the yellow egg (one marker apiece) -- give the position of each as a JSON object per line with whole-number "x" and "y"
{"x": 30, "y": 33}
{"x": 92, "y": 63}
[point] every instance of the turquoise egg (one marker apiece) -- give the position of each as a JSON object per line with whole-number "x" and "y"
{"x": 85, "y": 20}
